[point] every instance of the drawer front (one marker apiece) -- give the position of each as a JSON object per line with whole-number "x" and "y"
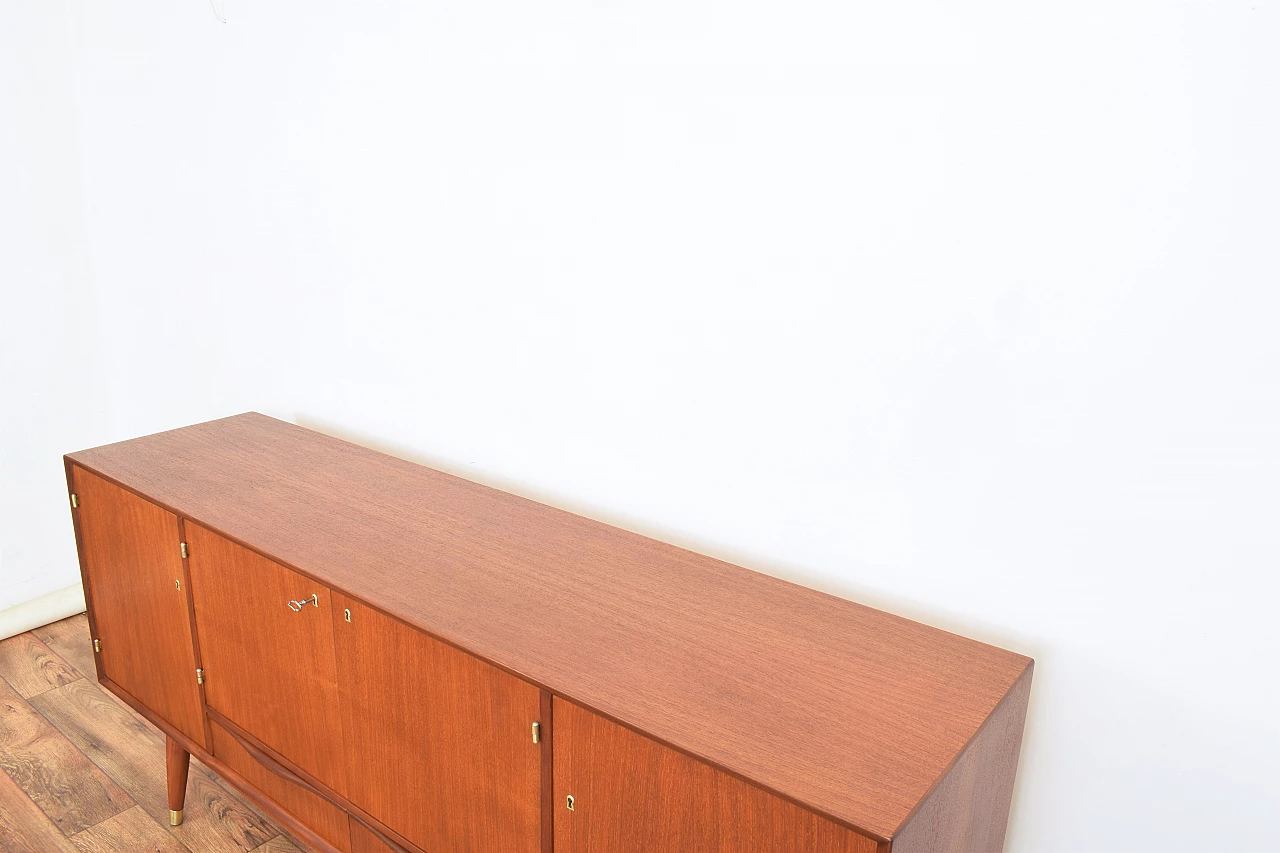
{"x": 269, "y": 664}
{"x": 318, "y": 814}
{"x": 439, "y": 743}
{"x": 634, "y": 795}
{"x": 363, "y": 840}
{"x": 133, "y": 572}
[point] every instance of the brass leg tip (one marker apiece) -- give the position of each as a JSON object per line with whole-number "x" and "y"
{"x": 175, "y": 817}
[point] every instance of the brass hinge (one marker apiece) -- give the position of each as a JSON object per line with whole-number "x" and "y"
{"x": 185, "y": 553}
{"x": 97, "y": 645}
{"x": 199, "y": 676}
{"x": 537, "y": 733}
{"x": 75, "y": 500}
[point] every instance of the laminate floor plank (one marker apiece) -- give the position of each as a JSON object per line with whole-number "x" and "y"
{"x": 57, "y": 777}
{"x": 31, "y": 667}
{"x": 71, "y": 640}
{"x": 132, "y": 830}
{"x": 132, "y": 752}
{"x": 23, "y": 827}
{"x": 70, "y": 748}
{"x": 279, "y": 844}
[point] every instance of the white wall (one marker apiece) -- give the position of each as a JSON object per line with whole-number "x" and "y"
{"x": 963, "y": 310}
{"x": 50, "y": 388}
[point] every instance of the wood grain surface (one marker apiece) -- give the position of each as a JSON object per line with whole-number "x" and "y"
{"x": 31, "y": 667}
{"x": 57, "y": 792}
{"x": 268, "y": 668}
{"x": 632, "y": 795}
{"x": 446, "y": 756}
{"x": 177, "y": 765}
{"x": 71, "y": 641}
{"x": 864, "y": 710}
{"x": 969, "y": 810}
{"x": 306, "y": 837}
{"x": 131, "y": 559}
{"x": 214, "y": 822}
{"x": 279, "y": 844}
{"x": 130, "y": 830}
{"x": 364, "y": 841}
{"x": 23, "y": 827}
{"x": 326, "y": 819}
{"x": 79, "y": 795}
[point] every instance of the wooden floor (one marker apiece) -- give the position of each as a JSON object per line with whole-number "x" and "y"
{"x": 84, "y": 774}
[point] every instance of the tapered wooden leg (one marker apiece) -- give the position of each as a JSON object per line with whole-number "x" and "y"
{"x": 177, "y": 761}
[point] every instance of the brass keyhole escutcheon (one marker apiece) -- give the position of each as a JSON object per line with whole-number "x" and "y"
{"x": 568, "y": 802}
{"x": 347, "y": 613}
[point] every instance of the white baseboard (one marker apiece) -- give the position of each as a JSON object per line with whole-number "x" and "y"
{"x": 56, "y": 605}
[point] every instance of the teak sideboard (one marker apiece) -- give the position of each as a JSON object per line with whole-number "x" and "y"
{"x": 389, "y": 658}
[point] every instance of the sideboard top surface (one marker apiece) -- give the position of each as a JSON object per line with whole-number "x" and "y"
{"x": 847, "y": 710}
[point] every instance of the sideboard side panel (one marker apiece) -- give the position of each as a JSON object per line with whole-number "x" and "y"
{"x": 133, "y": 564}
{"x": 634, "y": 795}
{"x": 968, "y": 811}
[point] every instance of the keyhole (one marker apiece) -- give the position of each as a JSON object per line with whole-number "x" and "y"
{"x": 568, "y": 802}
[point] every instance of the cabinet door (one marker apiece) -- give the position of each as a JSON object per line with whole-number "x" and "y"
{"x": 269, "y": 668}
{"x": 439, "y": 743}
{"x": 633, "y": 795}
{"x": 130, "y": 550}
